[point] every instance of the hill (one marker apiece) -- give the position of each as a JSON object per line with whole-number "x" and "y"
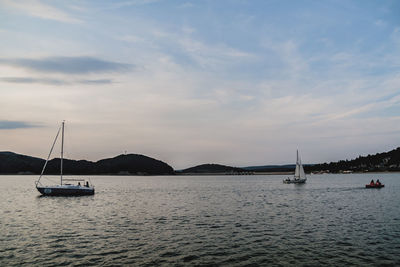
{"x": 133, "y": 164}
{"x": 213, "y": 168}
{"x": 386, "y": 161}
{"x": 12, "y": 163}
{"x": 271, "y": 168}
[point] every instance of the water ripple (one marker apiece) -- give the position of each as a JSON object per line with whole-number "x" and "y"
{"x": 203, "y": 221}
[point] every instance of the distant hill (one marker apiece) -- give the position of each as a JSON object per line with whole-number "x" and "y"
{"x": 386, "y": 161}
{"x": 133, "y": 164}
{"x": 275, "y": 168}
{"x": 380, "y": 162}
{"x": 12, "y": 163}
{"x": 212, "y": 168}
{"x": 271, "y": 168}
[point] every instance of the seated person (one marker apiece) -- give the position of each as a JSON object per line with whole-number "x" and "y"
{"x": 372, "y": 182}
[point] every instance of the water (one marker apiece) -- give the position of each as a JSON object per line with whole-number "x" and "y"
{"x": 203, "y": 220}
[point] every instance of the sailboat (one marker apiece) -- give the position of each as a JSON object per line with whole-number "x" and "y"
{"x": 299, "y": 174}
{"x": 65, "y": 188}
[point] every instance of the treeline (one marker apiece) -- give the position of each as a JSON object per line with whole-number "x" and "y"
{"x": 12, "y": 163}
{"x": 387, "y": 161}
{"x": 212, "y": 168}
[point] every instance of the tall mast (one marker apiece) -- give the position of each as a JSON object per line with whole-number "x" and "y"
{"x": 62, "y": 149}
{"x": 297, "y": 170}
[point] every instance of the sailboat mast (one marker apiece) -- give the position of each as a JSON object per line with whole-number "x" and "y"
{"x": 297, "y": 170}
{"x": 62, "y": 149}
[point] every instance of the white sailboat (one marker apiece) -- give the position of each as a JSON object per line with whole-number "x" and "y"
{"x": 63, "y": 189}
{"x": 299, "y": 174}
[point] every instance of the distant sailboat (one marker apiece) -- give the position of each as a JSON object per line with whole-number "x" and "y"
{"x": 299, "y": 174}
{"x": 63, "y": 189}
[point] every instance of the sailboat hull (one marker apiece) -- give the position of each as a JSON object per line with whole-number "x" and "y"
{"x": 65, "y": 190}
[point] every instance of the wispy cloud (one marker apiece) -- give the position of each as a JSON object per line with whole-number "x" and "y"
{"x": 67, "y": 65}
{"x": 212, "y": 56}
{"x": 38, "y": 9}
{"x": 131, "y": 39}
{"x": 11, "y": 125}
{"x": 251, "y": 89}
{"x": 30, "y": 80}
{"x": 134, "y": 3}
{"x": 380, "y": 23}
{"x": 396, "y": 35}
{"x": 94, "y": 82}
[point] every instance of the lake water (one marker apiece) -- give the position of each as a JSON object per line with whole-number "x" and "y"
{"x": 203, "y": 220}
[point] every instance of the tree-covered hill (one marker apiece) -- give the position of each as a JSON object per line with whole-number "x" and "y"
{"x": 386, "y": 161}
{"x": 212, "y": 168}
{"x": 12, "y": 163}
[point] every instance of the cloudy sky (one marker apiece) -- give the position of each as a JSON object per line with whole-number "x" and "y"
{"x": 234, "y": 82}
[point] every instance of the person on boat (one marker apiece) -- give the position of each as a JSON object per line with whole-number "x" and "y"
{"x": 378, "y": 182}
{"x": 79, "y": 183}
{"x": 87, "y": 184}
{"x": 372, "y": 182}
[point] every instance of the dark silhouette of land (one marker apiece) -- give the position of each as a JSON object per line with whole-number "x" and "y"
{"x": 271, "y": 168}
{"x": 380, "y": 162}
{"x": 212, "y": 169}
{"x": 131, "y": 164}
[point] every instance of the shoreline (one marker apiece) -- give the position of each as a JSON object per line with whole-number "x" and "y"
{"x": 199, "y": 174}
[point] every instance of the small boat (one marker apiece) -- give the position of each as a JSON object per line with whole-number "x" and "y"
{"x": 64, "y": 189}
{"x": 374, "y": 185}
{"x": 299, "y": 174}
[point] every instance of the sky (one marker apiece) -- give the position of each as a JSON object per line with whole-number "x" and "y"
{"x": 233, "y": 82}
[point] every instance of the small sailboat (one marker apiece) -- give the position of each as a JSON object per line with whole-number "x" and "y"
{"x": 299, "y": 174}
{"x": 65, "y": 188}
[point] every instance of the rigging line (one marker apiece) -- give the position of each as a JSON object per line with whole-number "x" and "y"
{"x": 51, "y": 150}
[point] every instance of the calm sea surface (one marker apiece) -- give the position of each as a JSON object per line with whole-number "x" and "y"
{"x": 203, "y": 220}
